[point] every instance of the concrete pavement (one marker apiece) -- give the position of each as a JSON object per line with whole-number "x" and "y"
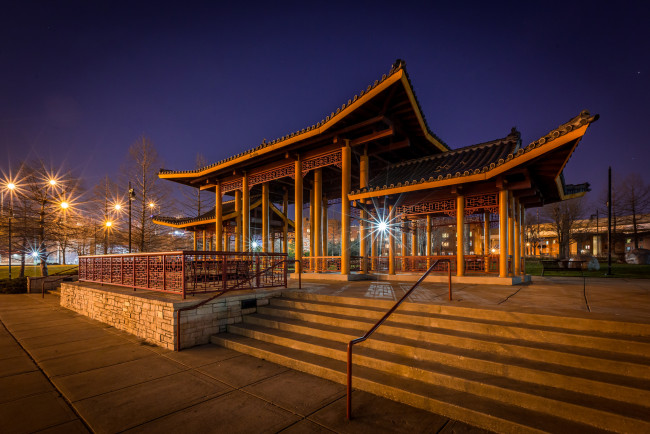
{"x": 62, "y": 372}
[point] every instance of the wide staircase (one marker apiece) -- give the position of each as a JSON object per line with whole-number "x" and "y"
{"x": 499, "y": 370}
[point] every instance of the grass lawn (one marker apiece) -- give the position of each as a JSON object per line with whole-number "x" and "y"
{"x": 35, "y": 270}
{"x": 534, "y": 268}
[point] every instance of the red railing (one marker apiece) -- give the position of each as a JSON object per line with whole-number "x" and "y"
{"x": 436, "y": 264}
{"x": 187, "y": 272}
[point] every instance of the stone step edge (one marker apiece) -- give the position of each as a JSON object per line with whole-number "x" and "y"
{"x": 631, "y": 328}
{"x": 475, "y": 417}
{"x": 613, "y": 345}
{"x": 569, "y": 410}
{"x": 546, "y": 377}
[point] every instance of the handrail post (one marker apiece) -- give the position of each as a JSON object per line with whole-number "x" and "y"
{"x": 183, "y": 274}
{"x": 373, "y": 329}
{"x": 349, "y": 387}
{"x": 449, "y": 273}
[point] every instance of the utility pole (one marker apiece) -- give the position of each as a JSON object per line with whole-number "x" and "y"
{"x": 609, "y": 222}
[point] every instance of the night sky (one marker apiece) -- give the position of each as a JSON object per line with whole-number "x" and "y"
{"x": 81, "y": 81}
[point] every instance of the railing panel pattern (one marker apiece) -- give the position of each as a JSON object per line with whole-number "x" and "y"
{"x": 187, "y": 272}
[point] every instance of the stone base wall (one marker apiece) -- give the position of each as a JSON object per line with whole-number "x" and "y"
{"x": 153, "y": 317}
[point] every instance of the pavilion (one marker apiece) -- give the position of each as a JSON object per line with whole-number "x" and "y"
{"x": 390, "y": 182}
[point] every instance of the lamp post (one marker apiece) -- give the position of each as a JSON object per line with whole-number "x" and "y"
{"x": 107, "y": 226}
{"x": 11, "y": 187}
{"x": 131, "y": 199}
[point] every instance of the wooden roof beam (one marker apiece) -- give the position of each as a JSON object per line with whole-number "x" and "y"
{"x": 372, "y": 136}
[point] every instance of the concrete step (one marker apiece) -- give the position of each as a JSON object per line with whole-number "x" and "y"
{"x": 456, "y": 404}
{"x": 617, "y": 343}
{"x": 578, "y": 407}
{"x": 571, "y": 357}
{"x": 626, "y": 389}
{"x": 587, "y": 322}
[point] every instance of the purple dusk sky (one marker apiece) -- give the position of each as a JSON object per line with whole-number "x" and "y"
{"x": 82, "y": 80}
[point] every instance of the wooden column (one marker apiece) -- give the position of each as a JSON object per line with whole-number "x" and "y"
{"x": 246, "y": 217}
{"x": 503, "y": 233}
{"x": 511, "y": 232}
{"x": 428, "y": 247}
{"x": 285, "y": 226}
{"x": 318, "y": 213}
{"x": 324, "y": 226}
{"x": 266, "y": 235}
{"x": 414, "y": 238}
{"x": 460, "y": 235}
{"x": 517, "y": 250}
{"x": 391, "y": 243}
{"x": 403, "y": 246}
{"x": 194, "y": 241}
{"x": 486, "y": 233}
{"x": 346, "y": 172}
{"x": 363, "y": 183}
{"x": 522, "y": 233}
{"x": 272, "y": 243}
{"x": 373, "y": 249}
{"x": 218, "y": 218}
{"x": 486, "y": 239}
{"x": 238, "y": 221}
{"x": 298, "y": 210}
{"x": 312, "y": 230}
{"x": 203, "y": 245}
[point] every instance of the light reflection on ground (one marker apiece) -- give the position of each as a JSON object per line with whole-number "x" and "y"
{"x": 380, "y": 290}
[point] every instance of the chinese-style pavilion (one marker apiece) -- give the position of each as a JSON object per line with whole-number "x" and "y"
{"x": 376, "y": 165}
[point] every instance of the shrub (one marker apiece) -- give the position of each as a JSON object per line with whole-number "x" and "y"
{"x": 13, "y": 286}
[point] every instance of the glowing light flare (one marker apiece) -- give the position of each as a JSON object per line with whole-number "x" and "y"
{"x": 52, "y": 182}
{"x": 382, "y": 226}
{"x": 109, "y": 224}
{"x": 11, "y": 186}
{"x": 65, "y": 205}
{"x": 255, "y": 245}
{"x": 117, "y": 207}
{"x": 151, "y": 204}
{"x": 34, "y": 254}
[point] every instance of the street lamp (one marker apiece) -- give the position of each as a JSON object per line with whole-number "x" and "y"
{"x": 11, "y": 187}
{"x": 107, "y": 225}
{"x": 131, "y": 199}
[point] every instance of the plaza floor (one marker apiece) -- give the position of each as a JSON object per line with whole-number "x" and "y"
{"x": 62, "y": 372}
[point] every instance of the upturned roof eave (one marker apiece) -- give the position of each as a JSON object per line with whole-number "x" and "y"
{"x": 397, "y": 76}
{"x": 545, "y": 144}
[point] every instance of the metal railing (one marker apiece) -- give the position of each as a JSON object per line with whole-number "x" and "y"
{"x": 186, "y": 272}
{"x": 224, "y": 291}
{"x": 380, "y": 322}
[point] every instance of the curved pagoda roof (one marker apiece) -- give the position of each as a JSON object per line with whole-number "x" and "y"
{"x": 387, "y": 107}
{"x": 543, "y": 159}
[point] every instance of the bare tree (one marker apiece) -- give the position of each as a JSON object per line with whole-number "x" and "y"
{"x": 141, "y": 169}
{"x": 196, "y": 202}
{"x": 633, "y": 199}
{"x": 532, "y": 231}
{"x": 564, "y": 217}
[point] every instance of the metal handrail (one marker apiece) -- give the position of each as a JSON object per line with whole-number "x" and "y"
{"x": 234, "y": 288}
{"x": 379, "y": 323}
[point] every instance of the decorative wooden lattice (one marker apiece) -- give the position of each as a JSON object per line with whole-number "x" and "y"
{"x": 231, "y": 186}
{"x": 485, "y": 202}
{"x": 272, "y": 174}
{"x": 333, "y": 158}
{"x": 445, "y": 206}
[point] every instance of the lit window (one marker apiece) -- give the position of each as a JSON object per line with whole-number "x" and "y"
{"x": 445, "y": 235}
{"x": 629, "y": 240}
